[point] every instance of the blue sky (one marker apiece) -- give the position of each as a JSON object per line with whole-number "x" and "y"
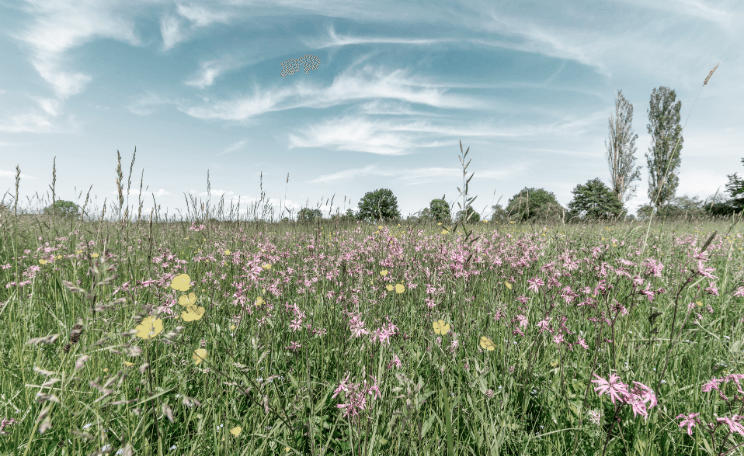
{"x": 528, "y": 86}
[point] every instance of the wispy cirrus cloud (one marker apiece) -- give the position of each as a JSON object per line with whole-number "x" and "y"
{"x": 415, "y": 176}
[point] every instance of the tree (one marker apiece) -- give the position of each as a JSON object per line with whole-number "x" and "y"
{"x": 471, "y": 217}
{"x": 439, "y": 210}
{"x": 735, "y": 188}
{"x": 61, "y": 207}
{"x": 378, "y": 205}
{"x": 595, "y": 201}
{"x": 306, "y": 214}
{"x": 666, "y": 144}
{"x": 534, "y": 203}
{"x": 621, "y": 151}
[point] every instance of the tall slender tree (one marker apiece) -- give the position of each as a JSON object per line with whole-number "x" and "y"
{"x": 663, "y": 157}
{"x": 621, "y": 151}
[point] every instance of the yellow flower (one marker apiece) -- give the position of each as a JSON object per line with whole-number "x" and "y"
{"x": 186, "y": 238}
{"x": 94, "y": 255}
{"x": 58, "y": 257}
{"x": 485, "y": 221}
{"x": 445, "y": 231}
{"x": 78, "y": 252}
{"x": 227, "y": 252}
{"x": 286, "y": 449}
{"x": 199, "y": 355}
{"x": 192, "y": 313}
{"x": 389, "y": 288}
{"x": 554, "y": 364}
{"x": 266, "y": 266}
{"x": 181, "y": 282}
{"x": 383, "y": 272}
{"x": 487, "y": 344}
{"x": 441, "y": 328}
{"x": 149, "y": 328}
{"x": 128, "y": 364}
{"x": 512, "y": 221}
{"x": 439, "y": 224}
{"x": 508, "y": 285}
{"x": 187, "y": 300}
{"x": 700, "y": 304}
{"x": 400, "y": 288}
{"x": 232, "y": 327}
{"x": 42, "y": 261}
{"x": 105, "y": 369}
{"x": 259, "y": 301}
{"x": 379, "y": 227}
{"x": 236, "y": 431}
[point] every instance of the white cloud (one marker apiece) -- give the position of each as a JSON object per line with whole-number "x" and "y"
{"x": 142, "y": 105}
{"x": 200, "y": 16}
{"x": 6, "y": 173}
{"x": 418, "y": 175}
{"x": 170, "y": 30}
{"x": 232, "y": 148}
{"x": 50, "y": 106}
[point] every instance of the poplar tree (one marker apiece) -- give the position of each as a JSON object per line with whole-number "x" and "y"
{"x": 621, "y": 151}
{"x": 663, "y": 157}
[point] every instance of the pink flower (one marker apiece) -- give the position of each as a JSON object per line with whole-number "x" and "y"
{"x": 535, "y": 284}
{"x": 688, "y": 421}
{"x": 614, "y": 387}
{"x": 739, "y": 292}
{"x": 395, "y": 362}
{"x": 733, "y": 425}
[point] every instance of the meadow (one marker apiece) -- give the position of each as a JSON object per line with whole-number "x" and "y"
{"x": 350, "y": 338}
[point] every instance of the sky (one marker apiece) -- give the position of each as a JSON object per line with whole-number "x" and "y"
{"x": 197, "y": 87}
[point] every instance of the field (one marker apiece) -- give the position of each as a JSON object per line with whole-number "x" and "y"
{"x": 362, "y": 339}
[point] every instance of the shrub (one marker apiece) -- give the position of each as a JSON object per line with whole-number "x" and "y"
{"x": 378, "y": 205}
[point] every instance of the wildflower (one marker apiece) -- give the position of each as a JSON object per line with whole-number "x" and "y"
{"x": 614, "y": 387}
{"x": 441, "y": 328}
{"x": 181, "y": 282}
{"x": 732, "y": 423}
{"x": 43, "y": 262}
{"x": 192, "y": 313}
{"x": 535, "y": 284}
{"x": 259, "y": 301}
{"x": 149, "y": 328}
{"x": 487, "y": 344}
{"x": 199, "y": 355}
{"x": 508, "y": 285}
{"x": 688, "y": 421}
{"x": 227, "y": 252}
{"x": 236, "y": 431}
{"x": 389, "y": 288}
{"x": 266, "y": 266}
{"x": 395, "y": 362}
{"x": 384, "y": 272}
{"x": 399, "y": 288}
{"x": 187, "y": 300}
{"x": 94, "y": 255}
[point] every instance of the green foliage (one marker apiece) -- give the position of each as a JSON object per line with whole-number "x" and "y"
{"x": 692, "y": 207}
{"x": 499, "y": 213}
{"x": 595, "y": 201}
{"x": 472, "y": 216}
{"x": 666, "y": 144}
{"x": 439, "y": 210}
{"x": 380, "y": 204}
{"x": 347, "y": 217}
{"x": 534, "y": 204}
{"x": 306, "y": 214}
{"x": 735, "y": 188}
{"x": 64, "y": 208}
